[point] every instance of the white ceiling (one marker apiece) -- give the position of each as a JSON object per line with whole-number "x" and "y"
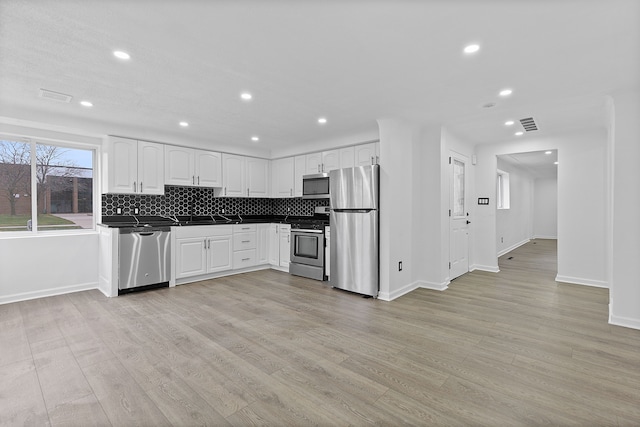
{"x": 538, "y": 164}
{"x": 351, "y": 61}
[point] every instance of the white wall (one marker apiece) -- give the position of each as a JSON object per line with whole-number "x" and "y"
{"x": 47, "y": 264}
{"x": 582, "y": 198}
{"x": 514, "y": 225}
{"x": 32, "y": 267}
{"x": 624, "y": 241}
{"x": 545, "y": 208}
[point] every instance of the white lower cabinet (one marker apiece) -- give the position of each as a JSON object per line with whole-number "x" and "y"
{"x": 285, "y": 245}
{"x": 244, "y": 245}
{"x": 279, "y": 246}
{"x": 203, "y": 249}
{"x": 262, "y": 244}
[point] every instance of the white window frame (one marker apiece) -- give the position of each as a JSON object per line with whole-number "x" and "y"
{"x": 96, "y": 175}
{"x": 503, "y": 190}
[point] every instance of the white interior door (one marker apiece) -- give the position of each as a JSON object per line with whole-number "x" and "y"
{"x": 458, "y": 217}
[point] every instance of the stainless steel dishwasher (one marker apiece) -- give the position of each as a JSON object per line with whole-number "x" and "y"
{"x": 144, "y": 254}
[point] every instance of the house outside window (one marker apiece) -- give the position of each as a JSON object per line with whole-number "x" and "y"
{"x": 45, "y": 186}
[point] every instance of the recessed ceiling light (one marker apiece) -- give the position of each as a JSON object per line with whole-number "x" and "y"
{"x": 122, "y": 55}
{"x": 255, "y": 139}
{"x": 246, "y": 96}
{"x": 548, "y": 152}
{"x": 184, "y": 124}
{"x": 472, "y": 48}
{"x": 519, "y": 133}
{"x": 322, "y": 120}
{"x": 86, "y": 104}
{"x": 555, "y": 163}
{"x": 506, "y": 92}
{"x": 509, "y": 123}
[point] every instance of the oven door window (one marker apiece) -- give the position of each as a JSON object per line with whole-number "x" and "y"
{"x": 306, "y": 246}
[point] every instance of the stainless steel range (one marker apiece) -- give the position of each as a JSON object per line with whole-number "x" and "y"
{"x": 308, "y": 245}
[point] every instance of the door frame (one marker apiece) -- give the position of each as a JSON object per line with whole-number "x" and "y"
{"x": 456, "y": 270}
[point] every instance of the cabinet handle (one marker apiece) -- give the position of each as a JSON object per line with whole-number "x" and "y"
{"x": 377, "y": 160}
{"x": 247, "y": 192}
{"x": 204, "y": 242}
{"x": 209, "y": 246}
{"x": 372, "y": 160}
{"x": 323, "y": 167}
{"x": 318, "y": 167}
{"x": 225, "y": 191}
{"x": 291, "y": 192}
{"x": 141, "y": 186}
{"x": 245, "y": 241}
{"x": 135, "y": 187}
{"x": 288, "y": 241}
{"x": 198, "y": 179}
{"x": 246, "y": 259}
{"x": 193, "y": 180}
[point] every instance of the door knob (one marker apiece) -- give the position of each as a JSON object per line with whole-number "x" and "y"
{"x": 468, "y": 222}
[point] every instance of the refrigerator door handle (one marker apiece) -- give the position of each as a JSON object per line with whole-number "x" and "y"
{"x": 367, "y": 210}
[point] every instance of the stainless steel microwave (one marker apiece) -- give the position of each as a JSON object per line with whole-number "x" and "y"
{"x": 315, "y": 186}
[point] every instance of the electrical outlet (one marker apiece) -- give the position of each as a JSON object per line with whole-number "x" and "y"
{"x": 502, "y": 240}
{"x": 222, "y": 211}
{"x": 118, "y": 210}
{"x": 400, "y": 266}
{"x": 136, "y": 211}
{"x": 288, "y": 209}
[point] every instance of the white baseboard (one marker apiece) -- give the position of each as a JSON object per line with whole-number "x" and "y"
{"x": 512, "y": 247}
{"x": 24, "y": 296}
{"x": 489, "y": 268}
{"x": 582, "y": 281}
{"x": 390, "y": 296}
{"x": 545, "y": 237}
{"x": 624, "y": 321}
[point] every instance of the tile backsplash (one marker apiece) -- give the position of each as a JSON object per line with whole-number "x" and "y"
{"x": 179, "y": 201}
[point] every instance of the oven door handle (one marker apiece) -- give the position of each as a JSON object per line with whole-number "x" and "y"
{"x": 298, "y": 230}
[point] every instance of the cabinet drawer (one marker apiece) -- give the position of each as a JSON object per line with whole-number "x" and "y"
{"x": 243, "y": 241}
{"x": 242, "y": 259}
{"x": 244, "y": 228}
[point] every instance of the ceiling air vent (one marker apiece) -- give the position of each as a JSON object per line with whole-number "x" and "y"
{"x": 529, "y": 124}
{"x": 55, "y": 96}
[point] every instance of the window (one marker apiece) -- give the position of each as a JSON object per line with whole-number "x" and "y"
{"x": 45, "y": 186}
{"x": 503, "y": 190}
{"x": 458, "y": 188}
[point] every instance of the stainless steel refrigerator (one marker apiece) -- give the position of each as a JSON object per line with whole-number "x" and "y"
{"x": 354, "y": 255}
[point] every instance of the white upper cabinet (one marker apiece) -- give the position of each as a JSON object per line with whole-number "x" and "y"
{"x": 208, "y": 168}
{"x": 191, "y": 167}
{"x": 257, "y": 177}
{"x": 347, "y": 157}
{"x": 134, "y": 167}
{"x": 282, "y": 177}
{"x": 234, "y": 179}
{"x": 314, "y": 163}
{"x": 299, "y": 170}
{"x": 330, "y": 160}
{"x": 366, "y": 154}
{"x": 245, "y": 176}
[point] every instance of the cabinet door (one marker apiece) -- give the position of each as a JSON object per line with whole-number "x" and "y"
{"x": 299, "y": 170}
{"x": 285, "y": 248}
{"x": 178, "y": 162}
{"x": 262, "y": 244}
{"x": 219, "y": 252}
{"x": 330, "y": 160}
{"x": 258, "y": 177}
{"x": 208, "y": 168}
{"x": 190, "y": 256}
{"x": 233, "y": 176}
{"x": 365, "y": 154}
{"x": 122, "y": 166}
{"x": 347, "y": 157}
{"x": 274, "y": 245}
{"x": 282, "y": 171}
{"x": 150, "y": 168}
{"x": 314, "y": 163}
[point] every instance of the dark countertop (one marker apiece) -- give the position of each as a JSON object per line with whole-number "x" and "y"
{"x": 122, "y": 221}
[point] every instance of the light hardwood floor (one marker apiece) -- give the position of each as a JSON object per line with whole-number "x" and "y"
{"x": 267, "y": 348}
